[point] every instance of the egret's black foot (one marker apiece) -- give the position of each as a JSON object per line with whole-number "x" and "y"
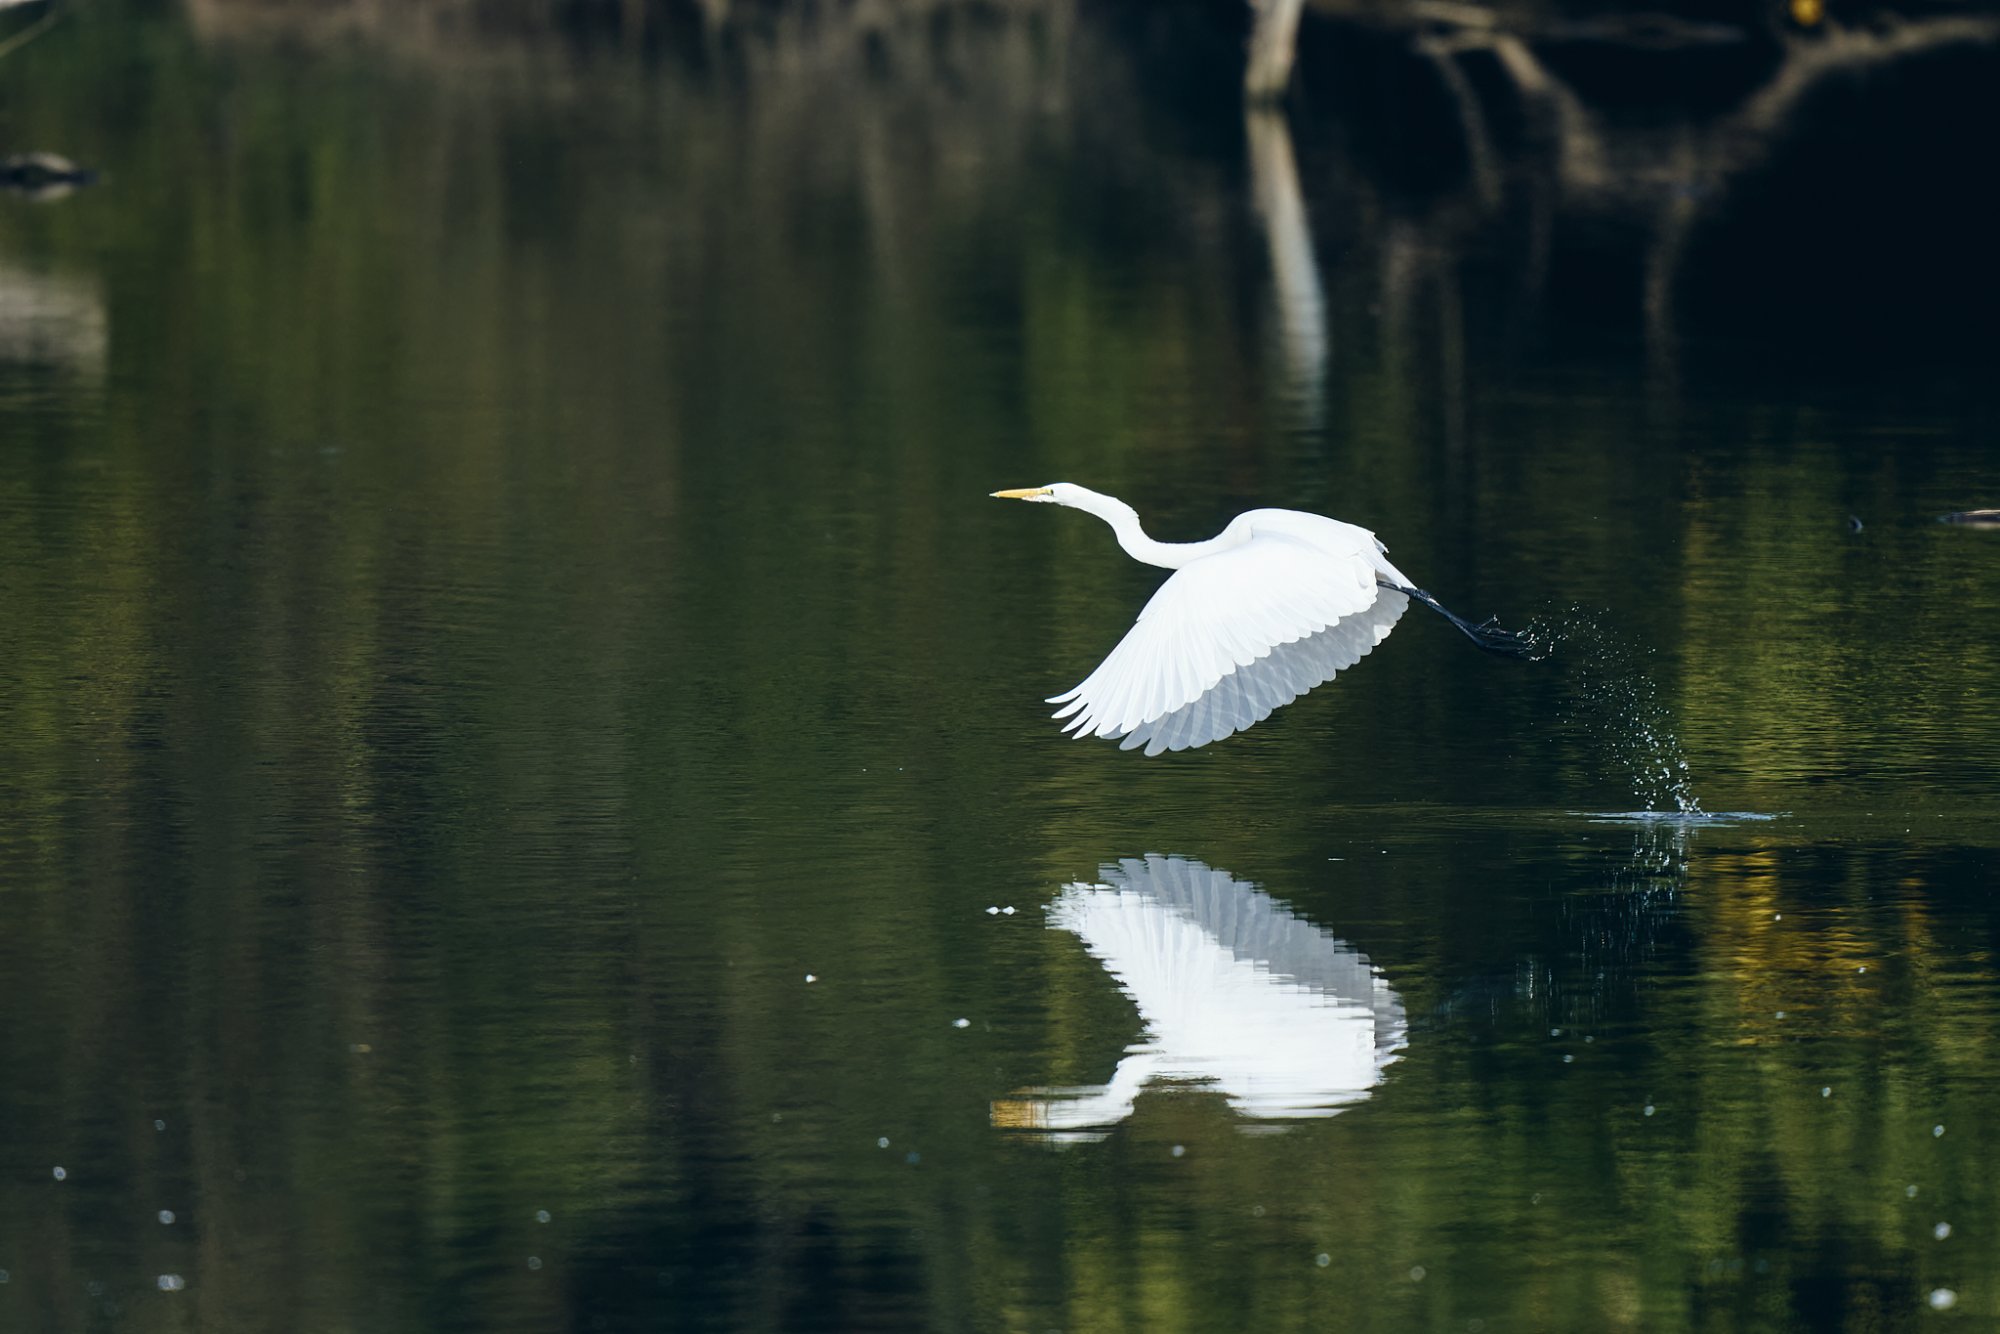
{"x": 1512, "y": 643}
{"x": 1487, "y": 634}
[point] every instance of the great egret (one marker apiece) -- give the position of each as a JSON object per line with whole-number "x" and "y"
{"x": 1234, "y": 990}
{"x": 1275, "y": 604}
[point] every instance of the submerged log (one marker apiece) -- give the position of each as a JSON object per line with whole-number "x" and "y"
{"x": 42, "y": 175}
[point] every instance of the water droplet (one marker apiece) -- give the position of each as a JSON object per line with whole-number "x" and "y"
{"x": 166, "y": 1216}
{"x": 159, "y": 1125}
{"x": 1322, "y": 1259}
{"x": 1256, "y": 1211}
{"x": 1910, "y": 1192}
{"x": 170, "y": 1282}
{"x": 1555, "y": 1032}
{"x": 1781, "y": 1014}
{"x": 1008, "y": 910}
{"x": 534, "y": 1262}
{"x": 1937, "y": 1131}
{"x": 61, "y": 1175}
{"x": 882, "y": 1143}
{"x": 1862, "y": 969}
{"x": 1941, "y": 1231}
{"x": 1826, "y": 1092}
{"x": 961, "y": 1023}
{"x": 1567, "y": 1058}
{"x": 811, "y": 978}
{"x": 1621, "y": 703}
{"x": 1777, "y": 917}
{"x": 993, "y": 911}
{"x": 1417, "y": 1273}
{"x": 1179, "y": 1150}
{"x": 1943, "y": 1299}
{"x": 1649, "y": 1109}
{"x": 541, "y": 1215}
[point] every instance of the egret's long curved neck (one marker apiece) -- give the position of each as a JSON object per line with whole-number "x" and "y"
{"x": 1124, "y": 521}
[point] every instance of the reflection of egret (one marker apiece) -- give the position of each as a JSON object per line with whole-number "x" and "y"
{"x": 1252, "y": 618}
{"x": 1234, "y": 991}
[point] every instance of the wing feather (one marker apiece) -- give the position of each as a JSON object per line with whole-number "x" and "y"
{"x": 1228, "y": 639}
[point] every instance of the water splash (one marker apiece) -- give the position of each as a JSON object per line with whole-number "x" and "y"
{"x": 1659, "y": 857}
{"x": 1620, "y": 705}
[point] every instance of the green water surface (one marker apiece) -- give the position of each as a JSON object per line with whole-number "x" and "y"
{"x": 515, "y": 710}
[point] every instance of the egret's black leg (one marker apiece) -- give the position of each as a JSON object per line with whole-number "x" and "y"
{"x": 1487, "y": 634}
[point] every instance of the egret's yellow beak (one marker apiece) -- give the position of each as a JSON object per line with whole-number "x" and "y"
{"x": 1023, "y": 493}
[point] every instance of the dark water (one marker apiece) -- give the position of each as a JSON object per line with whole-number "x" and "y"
{"x": 516, "y": 715}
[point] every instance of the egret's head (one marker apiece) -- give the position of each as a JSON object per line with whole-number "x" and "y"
{"x": 1056, "y": 493}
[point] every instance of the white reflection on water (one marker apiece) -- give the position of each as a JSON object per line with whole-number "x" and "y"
{"x": 1234, "y": 990}
{"x": 1295, "y": 280}
{"x": 53, "y": 320}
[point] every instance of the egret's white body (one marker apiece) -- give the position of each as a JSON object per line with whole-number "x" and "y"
{"x": 1254, "y": 617}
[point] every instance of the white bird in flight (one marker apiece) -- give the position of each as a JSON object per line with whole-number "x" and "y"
{"x": 1273, "y": 605}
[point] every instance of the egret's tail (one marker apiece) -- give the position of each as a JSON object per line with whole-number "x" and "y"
{"x": 1488, "y": 634}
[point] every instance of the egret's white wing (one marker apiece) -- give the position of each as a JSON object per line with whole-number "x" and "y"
{"x": 1248, "y": 695}
{"x": 1230, "y": 638}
